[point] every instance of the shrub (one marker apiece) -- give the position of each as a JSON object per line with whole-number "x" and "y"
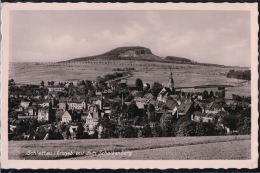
{"x": 147, "y": 131}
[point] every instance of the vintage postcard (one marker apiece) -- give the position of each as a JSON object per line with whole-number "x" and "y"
{"x": 129, "y": 85}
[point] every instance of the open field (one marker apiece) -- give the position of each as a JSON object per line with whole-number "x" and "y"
{"x": 178, "y": 148}
{"x": 185, "y": 75}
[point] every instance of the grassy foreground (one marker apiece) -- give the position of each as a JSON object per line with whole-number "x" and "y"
{"x": 134, "y": 148}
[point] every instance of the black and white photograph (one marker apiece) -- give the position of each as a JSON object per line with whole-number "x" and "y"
{"x": 138, "y": 84}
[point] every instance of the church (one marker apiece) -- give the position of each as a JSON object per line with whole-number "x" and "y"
{"x": 166, "y": 91}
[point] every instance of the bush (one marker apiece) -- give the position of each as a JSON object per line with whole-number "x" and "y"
{"x": 156, "y": 88}
{"x": 40, "y": 133}
{"x": 167, "y": 129}
{"x": 147, "y": 131}
{"x": 128, "y": 132}
{"x": 230, "y": 121}
{"x": 157, "y": 131}
{"x": 187, "y": 128}
{"x": 80, "y": 131}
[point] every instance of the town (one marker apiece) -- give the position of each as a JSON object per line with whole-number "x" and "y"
{"x": 109, "y": 107}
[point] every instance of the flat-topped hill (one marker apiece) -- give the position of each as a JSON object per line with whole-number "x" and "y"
{"x": 136, "y": 53}
{"x": 123, "y": 53}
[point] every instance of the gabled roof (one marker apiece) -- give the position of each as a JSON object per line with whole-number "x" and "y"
{"x": 44, "y": 109}
{"x": 170, "y": 103}
{"x": 164, "y": 91}
{"x": 148, "y": 96}
{"x": 66, "y": 113}
{"x": 184, "y": 108}
{"x": 59, "y": 113}
{"x": 214, "y": 105}
{"x": 140, "y": 105}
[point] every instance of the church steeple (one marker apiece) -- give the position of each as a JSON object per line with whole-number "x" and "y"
{"x": 171, "y": 82}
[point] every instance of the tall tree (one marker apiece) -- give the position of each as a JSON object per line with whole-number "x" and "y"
{"x": 42, "y": 83}
{"x": 147, "y": 131}
{"x": 133, "y": 110}
{"x": 139, "y": 84}
{"x": 156, "y": 88}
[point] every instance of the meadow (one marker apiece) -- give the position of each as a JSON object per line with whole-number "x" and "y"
{"x": 185, "y": 75}
{"x": 178, "y": 148}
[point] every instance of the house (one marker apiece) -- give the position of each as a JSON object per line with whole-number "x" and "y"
{"x": 37, "y": 97}
{"x": 44, "y": 103}
{"x": 123, "y": 119}
{"x": 23, "y": 96}
{"x": 12, "y": 128}
{"x": 149, "y": 98}
{"x": 214, "y": 108}
{"x": 63, "y": 106}
{"x": 98, "y": 93}
{"x": 199, "y": 97}
{"x": 92, "y": 119}
{"x": 140, "y": 105}
{"x": 107, "y": 111}
{"x": 90, "y": 124}
{"x": 84, "y": 116}
{"x": 78, "y": 104}
{"x": 201, "y": 117}
{"x": 152, "y": 124}
{"x": 107, "y": 92}
{"x": 167, "y": 111}
{"x": 32, "y": 111}
{"x": 140, "y": 102}
{"x": 111, "y": 84}
{"x": 43, "y": 114}
{"x": 132, "y": 87}
{"x": 171, "y": 104}
{"x": 19, "y": 109}
{"x": 25, "y": 104}
{"x": 185, "y": 109}
{"x": 98, "y": 102}
{"x": 72, "y": 104}
{"x": 73, "y": 131}
{"x": 166, "y": 118}
{"x": 94, "y": 111}
{"x": 163, "y": 94}
{"x": 55, "y": 88}
{"x": 25, "y": 116}
{"x": 230, "y": 102}
{"x": 146, "y": 86}
{"x": 122, "y": 83}
{"x": 66, "y": 117}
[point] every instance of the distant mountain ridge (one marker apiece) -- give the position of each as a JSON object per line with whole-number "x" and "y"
{"x": 136, "y": 53}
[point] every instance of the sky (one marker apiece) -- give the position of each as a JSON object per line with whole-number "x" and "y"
{"x": 221, "y": 37}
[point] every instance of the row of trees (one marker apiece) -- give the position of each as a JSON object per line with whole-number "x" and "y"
{"x": 245, "y": 75}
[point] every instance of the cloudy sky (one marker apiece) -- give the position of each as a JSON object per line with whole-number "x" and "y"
{"x": 221, "y": 37}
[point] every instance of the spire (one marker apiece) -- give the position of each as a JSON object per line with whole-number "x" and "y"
{"x": 171, "y": 82}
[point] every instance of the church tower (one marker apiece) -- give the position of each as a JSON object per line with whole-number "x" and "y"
{"x": 171, "y": 82}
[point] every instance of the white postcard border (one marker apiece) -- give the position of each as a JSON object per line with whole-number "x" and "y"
{"x": 116, "y": 164}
